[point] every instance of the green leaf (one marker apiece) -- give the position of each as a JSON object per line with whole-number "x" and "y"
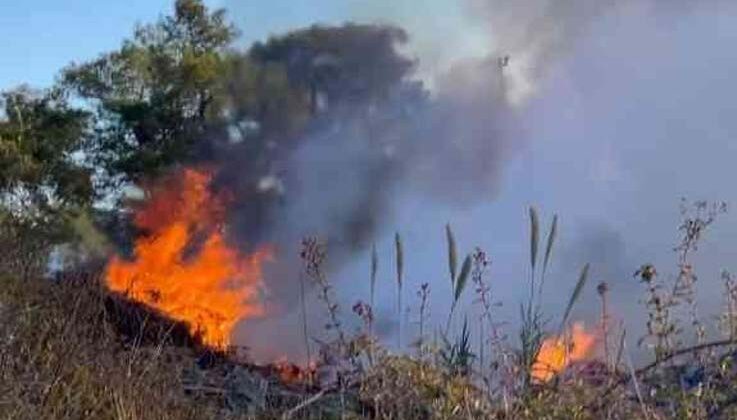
{"x": 452, "y": 255}
{"x": 551, "y": 239}
{"x": 463, "y": 278}
{"x": 534, "y": 236}
{"x": 576, "y": 294}
{"x": 374, "y": 270}
{"x": 400, "y": 258}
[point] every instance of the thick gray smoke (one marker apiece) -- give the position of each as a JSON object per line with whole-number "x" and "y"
{"x": 344, "y": 175}
{"x": 481, "y": 115}
{"x": 340, "y": 186}
{"x": 339, "y": 177}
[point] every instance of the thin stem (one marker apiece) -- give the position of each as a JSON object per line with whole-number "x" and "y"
{"x": 450, "y": 318}
{"x": 399, "y": 316}
{"x": 633, "y": 375}
{"x": 305, "y": 328}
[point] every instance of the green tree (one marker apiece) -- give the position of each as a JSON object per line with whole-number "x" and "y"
{"x": 39, "y": 136}
{"x": 44, "y": 182}
{"x": 281, "y": 91}
{"x": 155, "y": 97}
{"x": 178, "y": 93}
{"x": 345, "y": 88}
{"x": 340, "y": 66}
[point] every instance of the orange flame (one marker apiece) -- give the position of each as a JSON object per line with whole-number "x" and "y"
{"x": 183, "y": 266}
{"x": 557, "y": 353}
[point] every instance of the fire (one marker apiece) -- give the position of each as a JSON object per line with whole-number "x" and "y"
{"x": 557, "y": 353}
{"x": 183, "y": 265}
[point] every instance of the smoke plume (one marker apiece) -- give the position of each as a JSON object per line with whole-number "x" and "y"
{"x": 460, "y": 131}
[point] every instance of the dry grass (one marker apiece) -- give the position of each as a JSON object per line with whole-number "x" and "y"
{"x": 62, "y": 358}
{"x": 70, "y": 350}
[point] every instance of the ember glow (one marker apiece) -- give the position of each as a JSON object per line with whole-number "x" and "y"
{"x": 557, "y": 353}
{"x": 292, "y": 374}
{"x": 184, "y": 267}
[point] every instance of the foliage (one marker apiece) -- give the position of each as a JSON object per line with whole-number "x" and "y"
{"x": 457, "y": 357}
{"x": 60, "y": 358}
{"x": 400, "y": 387}
{"x": 155, "y": 96}
{"x": 575, "y": 294}
{"x": 340, "y": 67}
{"x": 452, "y": 254}
{"x": 175, "y": 86}
{"x": 180, "y": 92}
{"x": 45, "y": 185}
{"x": 39, "y": 134}
{"x": 534, "y": 236}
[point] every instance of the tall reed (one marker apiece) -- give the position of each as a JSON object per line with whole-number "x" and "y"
{"x": 399, "y": 257}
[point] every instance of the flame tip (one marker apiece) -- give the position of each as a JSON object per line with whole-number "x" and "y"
{"x": 186, "y": 259}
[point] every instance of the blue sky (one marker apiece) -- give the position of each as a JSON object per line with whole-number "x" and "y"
{"x": 39, "y": 37}
{"x": 42, "y": 36}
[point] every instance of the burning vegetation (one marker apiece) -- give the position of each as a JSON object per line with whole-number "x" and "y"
{"x": 557, "y": 353}
{"x": 183, "y": 266}
{"x": 150, "y": 333}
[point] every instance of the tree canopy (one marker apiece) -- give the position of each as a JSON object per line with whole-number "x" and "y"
{"x": 340, "y": 66}
{"x": 155, "y": 96}
{"x": 180, "y": 92}
{"x": 178, "y": 89}
{"x": 39, "y": 135}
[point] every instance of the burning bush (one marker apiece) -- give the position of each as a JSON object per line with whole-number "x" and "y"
{"x": 183, "y": 265}
{"x": 557, "y": 353}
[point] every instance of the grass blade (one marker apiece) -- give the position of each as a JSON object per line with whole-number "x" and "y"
{"x": 460, "y": 284}
{"x": 462, "y": 278}
{"x": 452, "y": 255}
{"x": 400, "y": 271}
{"x": 400, "y": 258}
{"x": 534, "y": 236}
{"x": 374, "y": 270}
{"x": 576, "y": 294}
{"x": 620, "y": 349}
{"x": 551, "y": 240}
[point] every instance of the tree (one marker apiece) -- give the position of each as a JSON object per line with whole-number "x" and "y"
{"x": 352, "y": 102}
{"x": 156, "y": 96}
{"x": 340, "y": 66}
{"x": 178, "y": 93}
{"x": 282, "y": 91}
{"x": 44, "y": 182}
{"x": 39, "y": 136}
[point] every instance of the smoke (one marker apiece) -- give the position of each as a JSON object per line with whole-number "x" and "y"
{"x": 535, "y": 34}
{"x": 339, "y": 177}
{"x": 484, "y": 95}
{"x": 605, "y": 249}
{"x": 454, "y": 139}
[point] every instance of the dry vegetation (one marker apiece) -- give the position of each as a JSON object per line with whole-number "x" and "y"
{"x": 61, "y": 358}
{"x": 71, "y": 350}
{"x": 181, "y": 92}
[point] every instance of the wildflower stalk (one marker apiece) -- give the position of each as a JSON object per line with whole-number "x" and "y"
{"x": 603, "y": 289}
{"x": 303, "y": 303}
{"x": 424, "y": 295}
{"x": 374, "y": 271}
{"x": 313, "y": 256}
{"x": 399, "y": 251}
